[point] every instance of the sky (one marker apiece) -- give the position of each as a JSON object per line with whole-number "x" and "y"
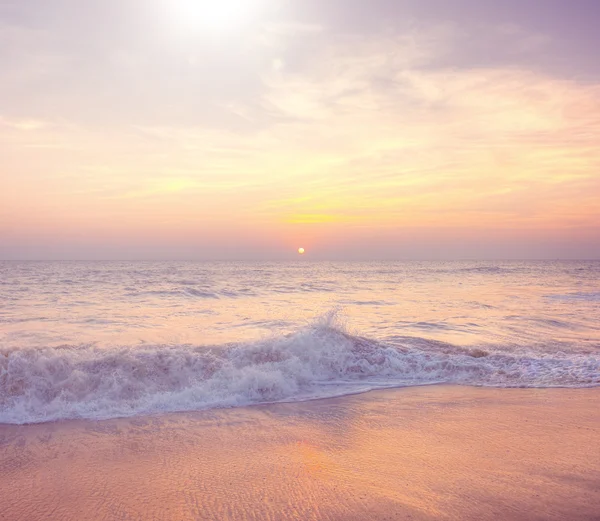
{"x": 245, "y": 129}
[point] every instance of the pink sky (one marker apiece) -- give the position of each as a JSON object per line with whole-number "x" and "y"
{"x": 179, "y": 129}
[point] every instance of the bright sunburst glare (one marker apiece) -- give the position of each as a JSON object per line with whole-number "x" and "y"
{"x": 215, "y": 14}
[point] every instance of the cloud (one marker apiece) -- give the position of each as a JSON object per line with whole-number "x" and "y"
{"x": 23, "y": 124}
{"x": 412, "y": 143}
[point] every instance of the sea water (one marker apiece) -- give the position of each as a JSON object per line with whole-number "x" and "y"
{"x": 100, "y": 340}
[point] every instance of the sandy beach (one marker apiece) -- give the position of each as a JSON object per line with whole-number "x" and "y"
{"x": 439, "y": 452}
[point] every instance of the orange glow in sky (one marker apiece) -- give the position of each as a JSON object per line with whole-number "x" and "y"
{"x": 127, "y": 133}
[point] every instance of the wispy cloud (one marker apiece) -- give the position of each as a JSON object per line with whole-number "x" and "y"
{"x": 414, "y": 143}
{"x": 23, "y": 124}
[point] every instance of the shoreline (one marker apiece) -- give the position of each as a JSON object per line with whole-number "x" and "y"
{"x": 341, "y": 396}
{"x": 427, "y": 452}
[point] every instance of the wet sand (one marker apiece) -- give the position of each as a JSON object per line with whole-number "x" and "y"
{"x": 425, "y": 453}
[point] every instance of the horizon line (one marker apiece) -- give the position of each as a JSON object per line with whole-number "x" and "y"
{"x": 308, "y": 259}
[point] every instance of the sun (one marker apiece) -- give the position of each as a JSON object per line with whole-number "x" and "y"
{"x": 301, "y": 251}
{"x": 212, "y": 13}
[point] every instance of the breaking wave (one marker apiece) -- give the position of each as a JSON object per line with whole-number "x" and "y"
{"x": 321, "y": 360}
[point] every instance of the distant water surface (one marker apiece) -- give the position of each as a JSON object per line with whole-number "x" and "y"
{"x": 109, "y": 339}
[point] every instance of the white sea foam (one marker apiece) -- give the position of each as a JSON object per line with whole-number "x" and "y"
{"x": 321, "y": 360}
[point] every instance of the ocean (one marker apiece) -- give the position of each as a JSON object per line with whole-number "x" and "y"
{"x": 99, "y": 340}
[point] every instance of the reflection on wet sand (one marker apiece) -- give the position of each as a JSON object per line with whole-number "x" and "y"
{"x": 421, "y": 453}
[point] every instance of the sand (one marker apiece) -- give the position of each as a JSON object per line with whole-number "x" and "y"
{"x": 437, "y": 452}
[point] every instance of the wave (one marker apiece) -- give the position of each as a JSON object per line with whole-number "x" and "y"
{"x": 189, "y": 292}
{"x": 321, "y": 360}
